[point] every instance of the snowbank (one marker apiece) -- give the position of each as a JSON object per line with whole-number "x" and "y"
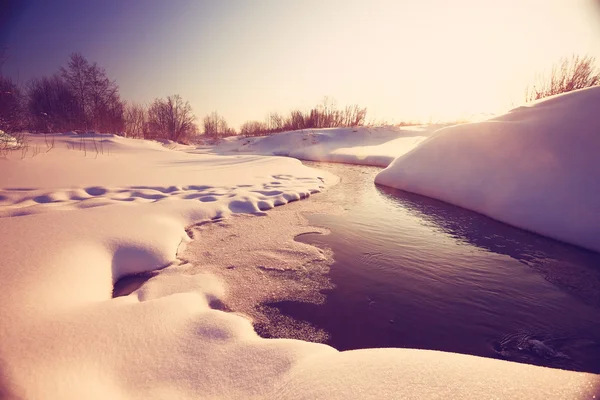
{"x": 536, "y": 167}
{"x": 377, "y": 146}
{"x": 73, "y": 220}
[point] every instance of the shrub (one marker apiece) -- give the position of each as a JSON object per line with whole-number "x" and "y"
{"x": 568, "y": 75}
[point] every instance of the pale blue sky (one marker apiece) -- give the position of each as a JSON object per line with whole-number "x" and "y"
{"x": 404, "y": 60}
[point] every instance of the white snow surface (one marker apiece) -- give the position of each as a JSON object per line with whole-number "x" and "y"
{"x": 72, "y": 222}
{"x": 377, "y": 146}
{"x": 536, "y": 167}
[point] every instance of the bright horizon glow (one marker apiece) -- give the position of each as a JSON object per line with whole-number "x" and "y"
{"x": 423, "y": 60}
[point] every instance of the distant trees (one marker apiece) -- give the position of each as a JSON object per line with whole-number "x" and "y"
{"x": 275, "y": 122}
{"x": 324, "y": 115}
{"x": 215, "y": 126}
{"x": 79, "y": 97}
{"x": 172, "y": 119}
{"x": 568, "y": 75}
{"x": 253, "y": 128}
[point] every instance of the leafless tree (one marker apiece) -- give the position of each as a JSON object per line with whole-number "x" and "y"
{"x": 354, "y": 116}
{"x": 76, "y": 77}
{"x": 326, "y": 115}
{"x": 104, "y": 103}
{"x": 216, "y": 126}
{"x": 253, "y": 128}
{"x": 274, "y": 122}
{"x": 99, "y": 104}
{"x": 52, "y": 106}
{"x": 172, "y": 119}
{"x": 568, "y": 75}
{"x": 135, "y": 120}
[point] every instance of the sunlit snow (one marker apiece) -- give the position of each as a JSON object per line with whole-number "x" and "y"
{"x": 92, "y": 209}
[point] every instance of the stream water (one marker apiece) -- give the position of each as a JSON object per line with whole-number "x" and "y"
{"x": 414, "y": 272}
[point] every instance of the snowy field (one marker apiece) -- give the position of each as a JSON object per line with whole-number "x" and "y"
{"x": 77, "y": 216}
{"x": 376, "y": 146}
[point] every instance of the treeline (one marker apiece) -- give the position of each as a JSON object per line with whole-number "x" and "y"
{"x": 81, "y": 97}
{"x": 78, "y": 97}
{"x": 325, "y": 115}
{"x": 140, "y": 120}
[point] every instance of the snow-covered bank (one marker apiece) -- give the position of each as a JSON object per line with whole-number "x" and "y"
{"x": 535, "y": 167}
{"x": 377, "y": 146}
{"x": 71, "y": 224}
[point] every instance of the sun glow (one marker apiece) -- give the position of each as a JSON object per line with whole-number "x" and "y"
{"x": 424, "y": 60}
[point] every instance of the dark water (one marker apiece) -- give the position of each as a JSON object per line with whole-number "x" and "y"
{"x": 414, "y": 272}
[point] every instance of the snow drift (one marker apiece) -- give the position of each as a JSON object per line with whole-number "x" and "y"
{"x": 377, "y": 146}
{"x": 73, "y": 221}
{"x": 536, "y": 167}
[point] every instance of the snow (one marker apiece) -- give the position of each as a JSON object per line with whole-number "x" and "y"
{"x": 535, "y": 167}
{"x": 377, "y": 146}
{"x": 82, "y": 211}
{"x": 7, "y": 141}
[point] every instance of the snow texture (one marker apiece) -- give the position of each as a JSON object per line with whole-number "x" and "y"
{"x": 73, "y": 220}
{"x": 377, "y": 146}
{"x": 535, "y": 167}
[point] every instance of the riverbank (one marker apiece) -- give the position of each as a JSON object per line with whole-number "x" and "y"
{"x": 73, "y": 223}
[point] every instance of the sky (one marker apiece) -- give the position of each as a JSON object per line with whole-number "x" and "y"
{"x": 427, "y": 60}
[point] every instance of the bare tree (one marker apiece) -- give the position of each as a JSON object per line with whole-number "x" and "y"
{"x": 135, "y": 120}
{"x": 52, "y": 106}
{"x": 171, "y": 118}
{"x": 216, "y": 126}
{"x": 354, "y": 116}
{"x": 76, "y": 77}
{"x": 99, "y": 104}
{"x": 274, "y": 122}
{"x": 253, "y": 128}
{"x": 105, "y": 108}
{"x": 568, "y": 75}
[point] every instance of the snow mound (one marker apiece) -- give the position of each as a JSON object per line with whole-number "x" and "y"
{"x": 536, "y": 167}
{"x": 73, "y": 221}
{"x": 377, "y": 146}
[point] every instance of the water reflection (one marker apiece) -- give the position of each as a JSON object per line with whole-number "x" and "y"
{"x": 414, "y": 272}
{"x": 573, "y": 269}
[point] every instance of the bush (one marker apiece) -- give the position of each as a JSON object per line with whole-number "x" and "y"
{"x": 568, "y": 75}
{"x": 324, "y": 115}
{"x": 253, "y": 128}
